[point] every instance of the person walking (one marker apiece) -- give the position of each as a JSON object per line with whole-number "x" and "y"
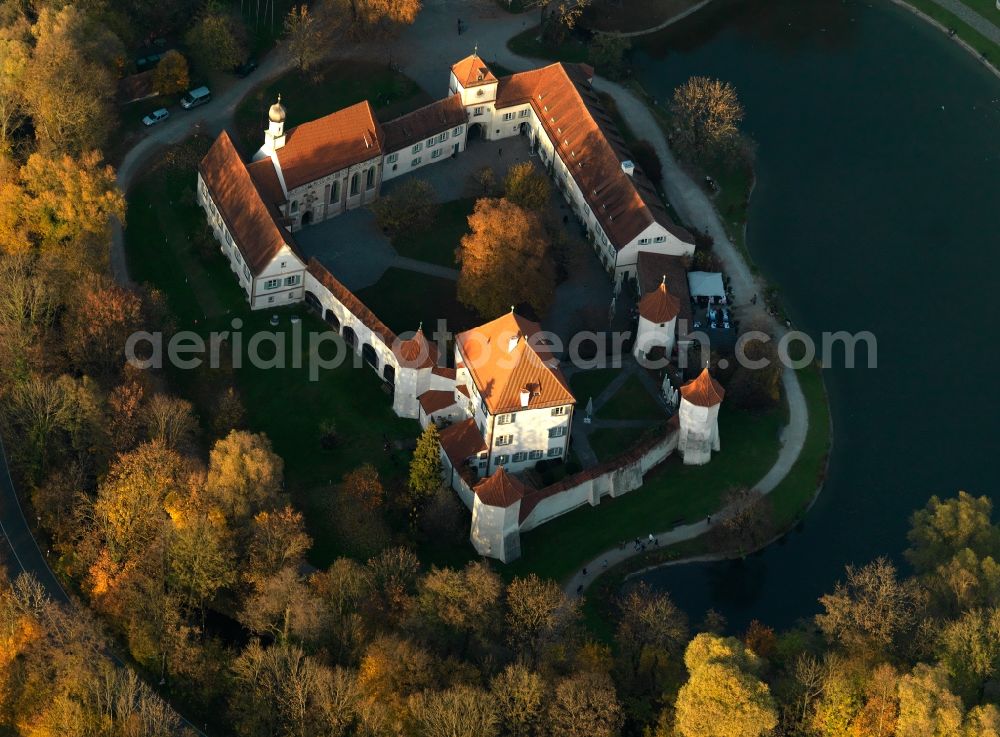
{"x": 500, "y": 152}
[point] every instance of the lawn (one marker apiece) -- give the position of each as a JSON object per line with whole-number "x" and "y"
{"x": 437, "y": 244}
{"x": 672, "y": 494}
{"x": 631, "y": 402}
{"x": 625, "y": 17}
{"x": 528, "y": 43}
{"x": 404, "y": 299}
{"x": 967, "y": 33}
{"x": 588, "y": 385}
{"x": 311, "y": 95}
{"x": 608, "y": 443}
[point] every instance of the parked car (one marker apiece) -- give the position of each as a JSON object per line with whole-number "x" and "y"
{"x": 197, "y": 96}
{"x": 148, "y": 62}
{"x": 157, "y": 116}
{"x": 246, "y": 68}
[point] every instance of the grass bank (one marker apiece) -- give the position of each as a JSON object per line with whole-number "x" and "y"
{"x": 979, "y": 43}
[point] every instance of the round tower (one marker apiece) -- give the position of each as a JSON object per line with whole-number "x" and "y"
{"x": 657, "y": 327}
{"x": 699, "y": 419}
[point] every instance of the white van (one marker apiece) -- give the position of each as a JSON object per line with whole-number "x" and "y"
{"x": 196, "y": 97}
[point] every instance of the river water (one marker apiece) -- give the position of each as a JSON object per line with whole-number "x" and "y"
{"x": 877, "y": 208}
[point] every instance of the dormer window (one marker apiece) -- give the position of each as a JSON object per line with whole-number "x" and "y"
{"x": 480, "y": 92}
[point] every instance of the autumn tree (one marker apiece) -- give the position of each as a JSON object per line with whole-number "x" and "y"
{"x": 97, "y": 330}
{"x": 171, "y": 74}
{"x": 409, "y": 207}
{"x": 651, "y": 633}
{"x": 282, "y": 605}
{"x": 748, "y": 519}
{"x": 723, "y": 696}
{"x": 170, "y": 420}
{"x": 381, "y": 15}
{"x": 71, "y": 80}
{"x": 277, "y": 540}
{"x": 364, "y": 487}
{"x": 560, "y": 18}
{"x": 456, "y": 606}
{"x": 201, "y": 558}
{"x": 927, "y": 706}
{"x": 585, "y": 705}
{"x": 707, "y": 115}
{"x": 969, "y": 649}
{"x": 39, "y": 408}
{"x": 426, "y": 472}
{"x": 218, "y": 38}
{"x": 520, "y": 698}
{"x": 245, "y": 476}
{"x": 15, "y": 58}
{"x": 28, "y": 305}
{"x": 944, "y": 528}
{"x": 527, "y": 187}
{"x": 461, "y": 711}
{"x": 506, "y": 259}
{"x": 305, "y": 35}
{"x": 539, "y": 615}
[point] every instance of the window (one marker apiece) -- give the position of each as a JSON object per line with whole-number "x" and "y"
{"x": 503, "y": 440}
{"x": 293, "y": 294}
{"x": 555, "y": 452}
{"x": 644, "y": 241}
{"x": 270, "y": 300}
{"x": 272, "y": 283}
{"x": 355, "y": 180}
{"x": 334, "y": 192}
{"x": 458, "y": 130}
{"x": 291, "y": 281}
{"x": 417, "y": 148}
{"x": 557, "y": 432}
{"x": 519, "y": 457}
{"x": 660, "y": 239}
{"x": 478, "y": 111}
{"x": 558, "y": 411}
{"x": 505, "y": 419}
{"x": 436, "y": 153}
{"x": 501, "y": 460}
{"x": 391, "y": 158}
{"x": 443, "y": 137}
{"x": 525, "y": 113}
{"x": 370, "y": 178}
{"x": 431, "y": 142}
{"x": 535, "y": 455}
{"x": 295, "y": 206}
{"x": 416, "y": 161}
{"x": 283, "y": 264}
{"x": 508, "y": 116}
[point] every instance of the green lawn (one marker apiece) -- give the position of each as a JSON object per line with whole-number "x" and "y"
{"x": 608, "y": 443}
{"x": 403, "y": 299}
{"x": 588, "y": 385}
{"x": 437, "y": 244}
{"x": 311, "y": 95}
{"x": 527, "y": 43}
{"x": 631, "y": 402}
{"x": 967, "y": 33}
{"x": 613, "y": 15}
{"x": 671, "y": 494}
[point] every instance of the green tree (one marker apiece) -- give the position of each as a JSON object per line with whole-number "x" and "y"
{"x": 171, "y": 74}
{"x": 201, "y": 559}
{"x": 706, "y": 115}
{"x": 607, "y": 53}
{"x": 218, "y": 38}
{"x": 927, "y": 707}
{"x": 527, "y": 187}
{"x": 651, "y": 633}
{"x": 410, "y": 207}
{"x": 305, "y": 35}
{"x": 245, "y": 476}
{"x": 969, "y": 649}
{"x": 426, "y": 472}
{"x": 944, "y": 528}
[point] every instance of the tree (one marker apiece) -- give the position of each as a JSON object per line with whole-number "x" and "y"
{"x": 99, "y": 327}
{"x": 39, "y": 408}
{"x": 561, "y": 18}
{"x": 283, "y": 605}
{"x": 758, "y": 387}
{"x": 28, "y": 305}
{"x": 370, "y": 15}
{"x": 277, "y": 540}
{"x": 201, "y": 559}
{"x": 218, "y": 38}
{"x": 171, "y": 74}
{"x": 244, "y": 476}
{"x": 944, "y": 528}
{"x": 927, "y": 707}
{"x": 872, "y": 611}
{"x": 506, "y": 260}
{"x": 461, "y": 711}
{"x": 426, "y": 472}
{"x": 229, "y": 413}
{"x": 585, "y": 705}
{"x": 538, "y": 615}
{"x": 71, "y": 80}
{"x": 305, "y": 36}
{"x": 364, "y": 487}
{"x": 410, "y": 207}
{"x": 520, "y": 699}
{"x": 607, "y": 53}
{"x": 15, "y": 57}
{"x": 969, "y": 649}
{"x": 460, "y": 602}
{"x": 651, "y": 632}
{"x": 527, "y": 187}
{"x": 723, "y": 696}
{"x": 706, "y": 114}
{"x": 170, "y": 420}
{"x": 748, "y": 521}
{"x": 646, "y": 158}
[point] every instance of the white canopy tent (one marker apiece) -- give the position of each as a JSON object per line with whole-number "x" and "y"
{"x": 706, "y": 284}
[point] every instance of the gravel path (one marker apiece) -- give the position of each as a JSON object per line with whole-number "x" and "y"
{"x": 983, "y": 25}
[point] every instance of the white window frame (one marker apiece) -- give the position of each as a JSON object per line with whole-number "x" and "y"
{"x": 417, "y": 148}
{"x": 392, "y": 158}
{"x": 557, "y": 432}
{"x": 555, "y": 452}
{"x": 416, "y": 161}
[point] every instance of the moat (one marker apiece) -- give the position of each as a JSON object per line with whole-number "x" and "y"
{"x": 878, "y": 174}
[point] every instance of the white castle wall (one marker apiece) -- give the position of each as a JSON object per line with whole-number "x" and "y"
{"x": 699, "y": 433}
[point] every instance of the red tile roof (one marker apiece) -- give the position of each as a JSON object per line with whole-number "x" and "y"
{"x": 433, "y": 400}
{"x": 650, "y": 270}
{"x": 346, "y": 297}
{"x": 251, "y": 220}
{"x": 328, "y": 144}
{"x": 424, "y": 122}
{"x": 266, "y": 178}
{"x": 472, "y": 72}
{"x": 416, "y": 352}
{"x": 461, "y": 441}
{"x": 704, "y": 391}
{"x": 500, "y": 490}
{"x": 592, "y": 148}
{"x": 660, "y": 305}
{"x": 448, "y": 373}
{"x": 501, "y": 373}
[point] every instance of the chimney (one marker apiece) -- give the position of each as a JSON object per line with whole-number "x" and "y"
{"x": 525, "y": 398}
{"x": 628, "y": 167}
{"x": 512, "y": 343}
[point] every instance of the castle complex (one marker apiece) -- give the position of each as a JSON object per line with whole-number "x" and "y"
{"x": 505, "y": 404}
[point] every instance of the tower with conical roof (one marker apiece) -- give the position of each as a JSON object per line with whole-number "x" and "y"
{"x": 496, "y": 511}
{"x": 699, "y": 419}
{"x": 657, "y": 327}
{"x": 274, "y": 137}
